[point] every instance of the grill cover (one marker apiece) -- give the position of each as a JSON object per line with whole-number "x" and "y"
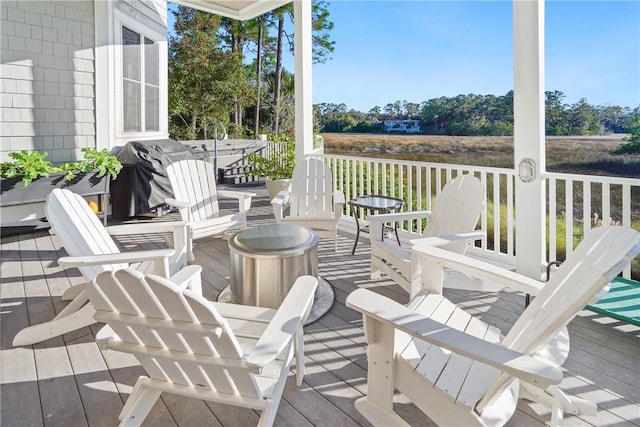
{"x": 142, "y": 184}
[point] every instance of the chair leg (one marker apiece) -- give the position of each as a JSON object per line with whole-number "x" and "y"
{"x": 74, "y": 305}
{"x": 268, "y": 415}
{"x": 138, "y": 404}
{"x": 299, "y": 352}
{"x": 56, "y": 327}
{"x": 72, "y": 292}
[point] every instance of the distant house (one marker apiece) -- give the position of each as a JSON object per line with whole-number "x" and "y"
{"x": 83, "y": 73}
{"x": 402, "y": 126}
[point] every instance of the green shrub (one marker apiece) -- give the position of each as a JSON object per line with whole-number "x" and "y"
{"x": 28, "y": 166}
{"x": 279, "y": 163}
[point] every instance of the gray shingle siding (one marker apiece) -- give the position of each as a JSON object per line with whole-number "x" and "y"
{"x": 47, "y": 77}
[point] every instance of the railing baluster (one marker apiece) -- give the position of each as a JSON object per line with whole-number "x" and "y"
{"x": 586, "y": 206}
{"x": 606, "y": 204}
{"x": 496, "y": 212}
{"x": 510, "y": 222}
{"x": 553, "y": 209}
{"x": 568, "y": 206}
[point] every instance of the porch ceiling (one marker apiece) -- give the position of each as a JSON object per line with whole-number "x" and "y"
{"x": 235, "y": 9}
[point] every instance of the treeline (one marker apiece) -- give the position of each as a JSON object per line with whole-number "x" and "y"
{"x": 223, "y": 71}
{"x": 476, "y": 115}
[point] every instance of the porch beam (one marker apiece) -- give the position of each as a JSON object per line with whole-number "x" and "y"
{"x": 303, "y": 79}
{"x": 529, "y": 135}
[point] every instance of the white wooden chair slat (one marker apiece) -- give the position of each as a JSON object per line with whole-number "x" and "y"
{"x": 195, "y": 195}
{"x": 413, "y": 350}
{"x": 435, "y": 358}
{"x": 311, "y": 200}
{"x": 454, "y": 374}
{"x": 151, "y": 366}
{"x": 197, "y": 353}
{"x": 471, "y": 384}
{"x": 223, "y": 382}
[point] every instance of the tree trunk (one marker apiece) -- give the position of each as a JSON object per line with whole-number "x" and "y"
{"x": 258, "y": 77}
{"x": 237, "y": 43}
{"x": 278, "y": 77}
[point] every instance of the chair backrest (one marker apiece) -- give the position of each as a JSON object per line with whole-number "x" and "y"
{"x": 149, "y": 313}
{"x": 311, "y": 190}
{"x": 194, "y": 181}
{"x": 457, "y": 209}
{"x": 79, "y": 229}
{"x": 601, "y": 256}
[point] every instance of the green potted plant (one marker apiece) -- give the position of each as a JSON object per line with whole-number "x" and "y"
{"x": 29, "y": 177}
{"x": 276, "y": 165}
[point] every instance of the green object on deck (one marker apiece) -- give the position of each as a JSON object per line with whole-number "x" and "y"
{"x": 622, "y": 302}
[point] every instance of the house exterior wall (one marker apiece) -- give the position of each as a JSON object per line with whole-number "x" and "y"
{"x": 150, "y": 13}
{"x": 59, "y": 79}
{"x": 47, "y": 77}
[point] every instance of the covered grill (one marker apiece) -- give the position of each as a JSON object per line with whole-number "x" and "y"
{"x": 142, "y": 185}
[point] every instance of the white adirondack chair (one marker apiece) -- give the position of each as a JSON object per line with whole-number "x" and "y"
{"x": 311, "y": 200}
{"x": 456, "y": 212}
{"x": 92, "y": 250}
{"x": 195, "y": 195}
{"x": 462, "y": 371}
{"x": 224, "y": 353}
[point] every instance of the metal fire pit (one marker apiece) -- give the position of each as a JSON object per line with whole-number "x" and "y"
{"x": 267, "y": 259}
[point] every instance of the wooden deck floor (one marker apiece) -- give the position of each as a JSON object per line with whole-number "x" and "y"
{"x": 69, "y": 381}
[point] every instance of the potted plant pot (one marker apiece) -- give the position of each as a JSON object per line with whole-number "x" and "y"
{"x": 274, "y": 186}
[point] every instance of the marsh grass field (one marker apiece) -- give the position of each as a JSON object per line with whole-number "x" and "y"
{"x": 567, "y": 154}
{"x": 575, "y": 155}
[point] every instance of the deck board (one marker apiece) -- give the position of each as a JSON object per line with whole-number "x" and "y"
{"x": 69, "y": 381}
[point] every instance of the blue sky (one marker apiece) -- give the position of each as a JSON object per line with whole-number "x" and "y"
{"x": 417, "y": 50}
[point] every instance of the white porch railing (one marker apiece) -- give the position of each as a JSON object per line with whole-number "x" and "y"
{"x": 592, "y": 197}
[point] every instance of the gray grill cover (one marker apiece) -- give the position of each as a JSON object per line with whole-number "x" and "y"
{"x": 142, "y": 185}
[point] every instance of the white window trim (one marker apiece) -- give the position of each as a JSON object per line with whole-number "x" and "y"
{"x": 122, "y": 20}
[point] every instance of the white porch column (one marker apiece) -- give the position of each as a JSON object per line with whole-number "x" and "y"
{"x": 529, "y": 134}
{"x": 303, "y": 92}
{"x": 104, "y": 75}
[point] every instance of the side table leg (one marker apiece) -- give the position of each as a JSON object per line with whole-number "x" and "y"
{"x": 395, "y": 226}
{"x": 355, "y": 215}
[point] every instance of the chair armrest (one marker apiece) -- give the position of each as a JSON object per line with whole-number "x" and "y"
{"x": 382, "y": 309}
{"x": 377, "y": 221}
{"x": 475, "y": 267}
{"x": 398, "y": 216}
{"x": 160, "y": 256}
{"x": 244, "y": 198}
{"x": 448, "y": 239}
{"x": 338, "y": 197}
{"x": 144, "y": 227}
{"x": 278, "y": 202}
{"x": 285, "y": 323}
{"x": 180, "y": 204}
{"x": 189, "y": 277}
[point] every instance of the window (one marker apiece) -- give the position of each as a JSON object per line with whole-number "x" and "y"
{"x": 140, "y": 82}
